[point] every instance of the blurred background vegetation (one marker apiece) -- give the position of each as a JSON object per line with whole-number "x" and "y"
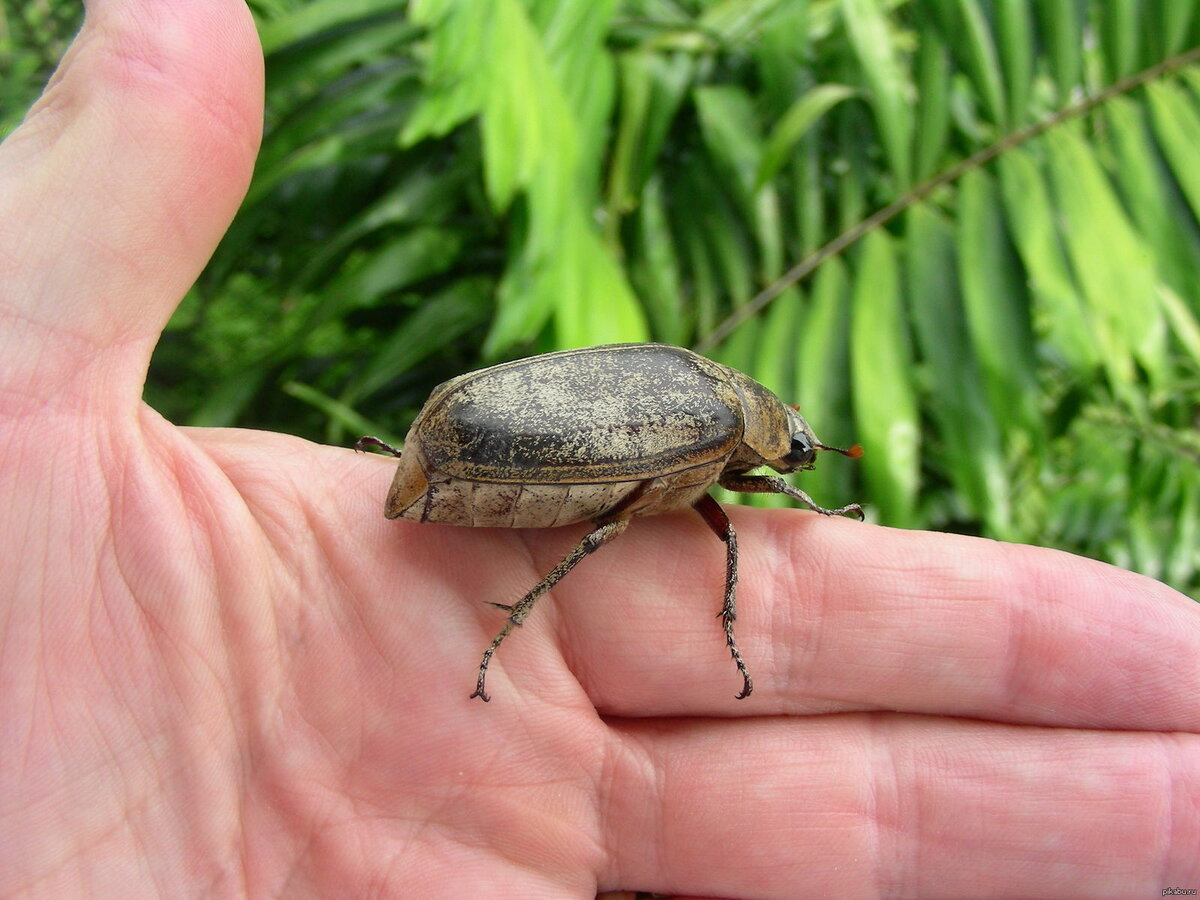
{"x": 448, "y": 183}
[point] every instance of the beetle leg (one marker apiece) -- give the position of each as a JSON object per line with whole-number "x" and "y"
{"x": 637, "y": 499}
{"x": 773, "y": 484}
{"x": 710, "y": 510}
{"x": 368, "y": 441}
{"x": 591, "y": 542}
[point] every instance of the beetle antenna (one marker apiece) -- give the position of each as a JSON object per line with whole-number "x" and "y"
{"x": 853, "y": 452}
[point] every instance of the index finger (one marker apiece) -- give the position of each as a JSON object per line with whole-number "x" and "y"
{"x": 835, "y": 615}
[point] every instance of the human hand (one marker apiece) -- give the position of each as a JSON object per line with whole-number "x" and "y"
{"x": 224, "y": 672}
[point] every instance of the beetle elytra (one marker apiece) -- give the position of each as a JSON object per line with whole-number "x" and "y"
{"x": 600, "y": 434}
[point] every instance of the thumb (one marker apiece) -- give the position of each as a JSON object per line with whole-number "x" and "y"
{"x": 115, "y": 190}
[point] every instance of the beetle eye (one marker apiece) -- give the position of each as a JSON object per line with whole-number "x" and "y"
{"x": 802, "y": 452}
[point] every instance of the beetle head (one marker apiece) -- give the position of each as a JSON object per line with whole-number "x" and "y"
{"x": 803, "y": 451}
{"x": 775, "y": 434}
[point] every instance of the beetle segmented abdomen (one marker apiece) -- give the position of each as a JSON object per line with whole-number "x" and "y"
{"x": 457, "y": 501}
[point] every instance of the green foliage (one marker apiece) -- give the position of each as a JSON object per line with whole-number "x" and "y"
{"x": 445, "y": 183}
{"x": 33, "y": 36}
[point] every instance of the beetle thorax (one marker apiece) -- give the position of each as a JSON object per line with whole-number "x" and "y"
{"x": 768, "y": 426}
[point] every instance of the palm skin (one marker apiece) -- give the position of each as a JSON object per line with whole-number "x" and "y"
{"x": 223, "y": 672}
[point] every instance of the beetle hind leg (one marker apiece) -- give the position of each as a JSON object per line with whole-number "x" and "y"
{"x": 518, "y": 612}
{"x": 367, "y": 441}
{"x": 716, "y": 519}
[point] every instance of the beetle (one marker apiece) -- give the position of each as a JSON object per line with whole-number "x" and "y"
{"x": 600, "y": 434}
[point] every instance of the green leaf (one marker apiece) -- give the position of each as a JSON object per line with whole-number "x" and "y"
{"x": 296, "y": 70}
{"x": 1119, "y": 24}
{"x": 310, "y": 19}
{"x": 731, "y": 132}
{"x": 980, "y": 54}
{"x": 491, "y": 59}
{"x": 574, "y": 35}
{"x": 341, "y": 415}
{"x": 1151, "y": 200}
{"x": 317, "y": 134}
{"x": 806, "y": 188}
{"x": 775, "y": 356}
{"x": 1177, "y": 127}
{"x": 422, "y": 197}
{"x": 1060, "y": 317}
{"x": 459, "y": 39}
{"x": 652, "y": 88}
{"x": 1173, "y": 21}
{"x": 889, "y": 83}
{"x": 957, "y": 397}
{"x": 782, "y": 49}
{"x": 655, "y": 268}
{"x": 1112, "y": 265}
{"x": 703, "y": 287}
{"x": 528, "y": 127}
{"x": 736, "y": 21}
{"x": 885, "y": 402}
{"x": 822, "y": 378}
{"x": 1014, "y": 36}
{"x": 441, "y": 320}
{"x": 595, "y": 304}
{"x": 774, "y": 361}
{"x": 933, "y": 109}
{"x": 1061, "y": 30}
{"x": 228, "y": 396}
{"x": 1183, "y": 560}
{"x": 793, "y": 124}
{"x": 1183, "y": 323}
{"x": 413, "y": 255}
{"x": 996, "y": 312}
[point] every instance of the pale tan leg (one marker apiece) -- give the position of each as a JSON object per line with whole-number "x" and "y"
{"x": 593, "y": 541}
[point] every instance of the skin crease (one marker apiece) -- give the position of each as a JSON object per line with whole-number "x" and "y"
{"x": 223, "y": 673}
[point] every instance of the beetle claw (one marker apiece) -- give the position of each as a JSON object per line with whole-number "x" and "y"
{"x": 852, "y": 509}
{"x": 747, "y": 688}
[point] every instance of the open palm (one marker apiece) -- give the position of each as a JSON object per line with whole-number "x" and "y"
{"x": 223, "y": 672}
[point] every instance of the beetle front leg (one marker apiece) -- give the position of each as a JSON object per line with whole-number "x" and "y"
{"x": 773, "y": 484}
{"x": 591, "y": 542}
{"x": 710, "y": 510}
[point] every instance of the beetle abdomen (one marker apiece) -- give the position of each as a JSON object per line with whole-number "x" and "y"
{"x": 604, "y": 414}
{"x": 456, "y": 501}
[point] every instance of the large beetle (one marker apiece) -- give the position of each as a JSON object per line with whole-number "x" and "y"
{"x": 601, "y": 434}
